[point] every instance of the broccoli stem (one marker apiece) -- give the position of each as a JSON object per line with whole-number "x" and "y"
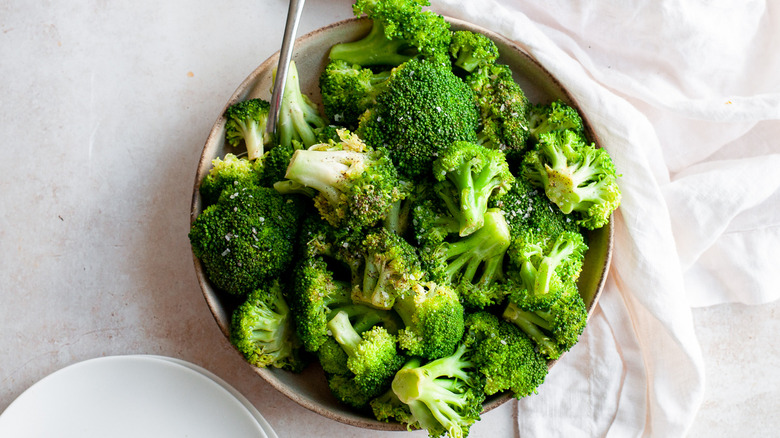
{"x": 373, "y": 49}
{"x": 253, "y": 134}
{"x": 344, "y": 333}
{"x": 485, "y": 247}
{"x": 298, "y": 114}
{"x": 531, "y": 323}
{"x": 375, "y": 283}
{"x": 323, "y": 171}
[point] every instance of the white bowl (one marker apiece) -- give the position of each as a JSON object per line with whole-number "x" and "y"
{"x": 310, "y": 389}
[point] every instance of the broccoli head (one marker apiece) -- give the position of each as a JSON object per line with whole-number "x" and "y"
{"x": 474, "y": 264}
{"x": 552, "y": 117}
{"x": 227, "y": 172}
{"x": 556, "y": 328}
{"x": 576, "y": 176}
{"x": 538, "y": 269}
{"x": 433, "y": 320}
{"x": 246, "y": 122}
{"x": 262, "y": 330}
{"x": 469, "y": 175}
{"x": 372, "y": 356}
{"x": 471, "y": 50}
{"x": 504, "y": 355}
{"x": 348, "y": 90}
{"x": 503, "y": 109}
{"x": 391, "y": 267}
{"x": 316, "y": 298}
{"x": 443, "y": 396}
{"x": 246, "y": 238}
{"x": 424, "y": 108}
{"x": 356, "y": 186}
{"x": 400, "y": 30}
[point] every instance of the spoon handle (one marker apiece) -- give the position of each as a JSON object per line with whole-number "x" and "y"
{"x": 290, "y": 29}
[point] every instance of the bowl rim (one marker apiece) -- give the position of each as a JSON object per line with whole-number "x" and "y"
{"x": 204, "y": 164}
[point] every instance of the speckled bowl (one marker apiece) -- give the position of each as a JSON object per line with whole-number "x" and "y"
{"x": 309, "y": 389}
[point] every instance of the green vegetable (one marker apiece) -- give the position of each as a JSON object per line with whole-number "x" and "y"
{"x": 246, "y": 238}
{"x": 245, "y": 122}
{"x": 262, "y": 330}
{"x": 400, "y": 30}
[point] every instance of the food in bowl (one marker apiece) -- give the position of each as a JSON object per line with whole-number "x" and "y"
{"x": 412, "y": 239}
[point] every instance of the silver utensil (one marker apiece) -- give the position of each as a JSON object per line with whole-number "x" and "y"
{"x": 288, "y": 42}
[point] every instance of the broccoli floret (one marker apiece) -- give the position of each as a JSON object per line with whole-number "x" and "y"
{"x": 275, "y": 162}
{"x": 424, "y": 108}
{"x": 400, "y": 30}
{"x": 576, "y": 176}
{"x": 471, "y": 50}
{"x": 529, "y": 212}
{"x": 539, "y": 232}
{"x": 246, "y": 122}
{"x": 469, "y": 175}
{"x": 474, "y": 264}
{"x": 372, "y": 356}
{"x": 246, "y": 238}
{"x": 387, "y": 407}
{"x": 332, "y": 357}
{"x": 228, "y": 172}
{"x": 391, "y": 267}
{"x": 262, "y": 330}
{"x": 433, "y": 320}
{"x": 298, "y": 116}
{"x": 503, "y": 110}
{"x": 539, "y": 269}
{"x": 552, "y": 117}
{"x": 356, "y": 186}
{"x": 348, "y": 90}
{"x": 443, "y": 396}
{"x": 316, "y": 297}
{"x": 554, "y": 329}
{"x": 504, "y": 355}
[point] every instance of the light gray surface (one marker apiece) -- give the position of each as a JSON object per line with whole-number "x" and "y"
{"x": 105, "y": 107}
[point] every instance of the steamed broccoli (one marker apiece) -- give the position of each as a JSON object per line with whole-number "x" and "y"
{"x": 443, "y": 396}
{"x": 503, "y": 110}
{"x": 246, "y": 122}
{"x": 543, "y": 239}
{"x": 246, "y": 238}
{"x": 576, "y": 176}
{"x": 424, "y": 108}
{"x": 348, "y": 90}
{"x": 469, "y": 175}
{"x": 556, "y": 328}
{"x": 400, "y": 30}
{"x": 228, "y": 172}
{"x": 316, "y": 297}
{"x": 356, "y": 186}
{"x": 472, "y": 50}
{"x": 474, "y": 264}
{"x": 262, "y": 330}
{"x": 504, "y": 355}
{"x": 298, "y": 116}
{"x": 433, "y": 320}
{"x": 391, "y": 267}
{"x": 540, "y": 270}
{"x": 552, "y": 117}
{"x": 372, "y": 356}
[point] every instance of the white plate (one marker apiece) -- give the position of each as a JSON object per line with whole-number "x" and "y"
{"x": 132, "y": 396}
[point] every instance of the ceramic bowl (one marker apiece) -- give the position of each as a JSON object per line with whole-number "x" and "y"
{"x": 309, "y": 389}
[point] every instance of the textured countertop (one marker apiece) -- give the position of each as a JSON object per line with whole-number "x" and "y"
{"x": 105, "y": 107}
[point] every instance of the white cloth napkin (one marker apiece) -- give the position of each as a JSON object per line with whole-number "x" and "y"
{"x": 685, "y": 95}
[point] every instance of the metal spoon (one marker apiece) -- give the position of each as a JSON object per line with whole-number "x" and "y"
{"x": 290, "y": 29}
